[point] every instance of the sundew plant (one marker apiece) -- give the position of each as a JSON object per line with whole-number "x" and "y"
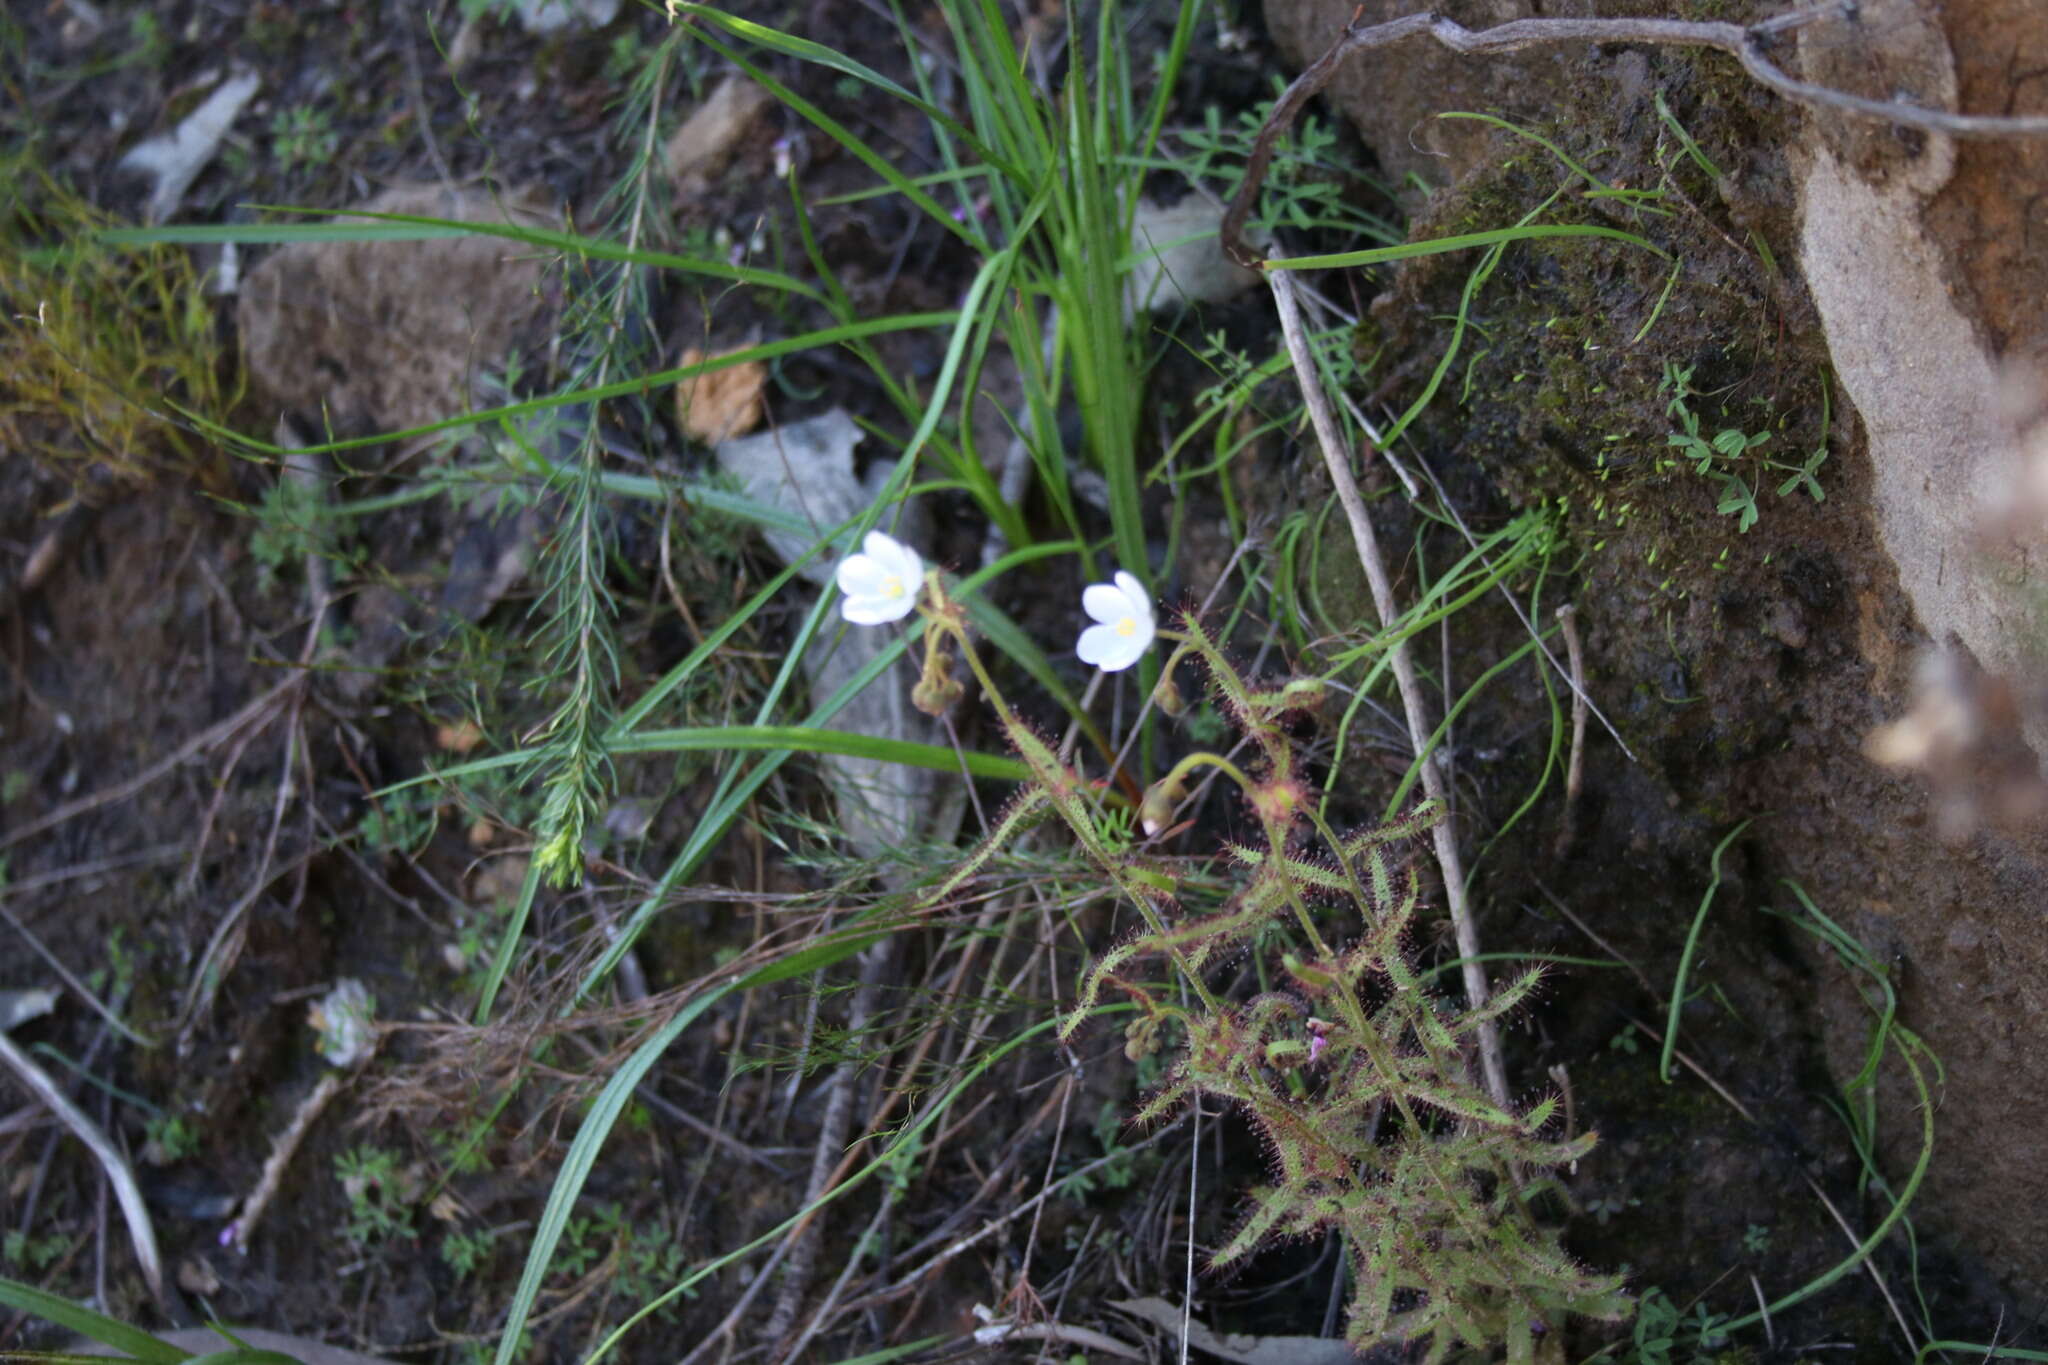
{"x": 1353, "y": 1073}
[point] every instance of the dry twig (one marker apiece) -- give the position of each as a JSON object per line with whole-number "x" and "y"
{"x": 141, "y": 1232}
{"x": 1336, "y": 459}
{"x": 1575, "y": 771}
{"x": 1745, "y": 44}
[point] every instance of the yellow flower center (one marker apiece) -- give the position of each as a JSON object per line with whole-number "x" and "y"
{"x": 1127, "y": 627}
{"x": 892, "y": 586}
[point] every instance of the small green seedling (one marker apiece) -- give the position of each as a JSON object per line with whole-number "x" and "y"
{"x": 1723, "y": 456}
{"x": 463, "y": 1252}
{"x": 379, "y": 1194}
{"x": 170, "y": 1137}
{"x": 303, "y": 136}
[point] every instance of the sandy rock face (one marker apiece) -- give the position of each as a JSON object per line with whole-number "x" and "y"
{"x": 1925, "y": 262}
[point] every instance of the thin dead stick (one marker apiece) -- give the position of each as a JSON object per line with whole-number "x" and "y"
{"x": 95, "y": 867}
{"x": 237, "y": 1233}
{"x": 120, "y": 791}
{"x": 188, "y": 882}
{"x": 804, "y": 1238}
{"x": 225, "y": 943}
{"x": 57, "y": 965}
{"x": 1744, "y": 44}
{"x": 1059, "y": 1132}
{"x": 1060, "y": 1332}
{"x": 1575, "y": 771}
{"x": 912, "y": 1278}
{"x": 1367, "y": 544}
{"x": 739, "y": 1309}
{"x": 828, "y": 1308}
{"x": 1450, "y": 509}
{"x": 141, "y": 1232}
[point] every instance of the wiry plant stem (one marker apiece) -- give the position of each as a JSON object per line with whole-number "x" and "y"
{"x": 952, "y": 623}
{"x": 1444, "y": 838}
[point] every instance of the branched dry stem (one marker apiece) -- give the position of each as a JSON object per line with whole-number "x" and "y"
{"x": 1444, "y": 838}
{"x": 1745, "y": 44}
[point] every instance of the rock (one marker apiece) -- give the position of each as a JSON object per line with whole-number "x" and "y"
{"x": 1183, "y": 262}
{"x": 1916, "y": 276}
{"x": 388, "y": 335}
{"x": 807, "y": 468}
{"x": 701, "y": 148}
{"x": 174, "y": 161}
{"x": 552, "y": 16}
{"x": 1393, "y": 94}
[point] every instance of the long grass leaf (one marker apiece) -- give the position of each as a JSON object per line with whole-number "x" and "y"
{"x": 905, "y": 1138}
{"x": 582, "y": 1156}
{"x": 837, "y": 335}
{"x": 813, "y": 740}
{"x": 839, "y": 132}
{"x": 1692, "y": 943}
{"x": 138, "y": 1344}
{"x": 403, "y": 227}
{"x": 1465, "y": 242}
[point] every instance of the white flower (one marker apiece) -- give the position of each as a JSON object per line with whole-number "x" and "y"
{"x": 1124, "y": 628}
{"x": 881, "y": 582}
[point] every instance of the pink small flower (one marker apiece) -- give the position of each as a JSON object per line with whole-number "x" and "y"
{"x": 1318, "y": 1037}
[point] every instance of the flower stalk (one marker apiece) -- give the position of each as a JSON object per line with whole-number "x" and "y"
{"x": 1444, "y": 1244}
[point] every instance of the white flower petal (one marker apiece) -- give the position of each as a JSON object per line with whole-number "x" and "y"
{"x": 1141, "y": 603}
{"x": 1097, "y": 644}
{"x": 875, "y": 611}
{"x": 881, "y": 583}
{"x": 1124, "y": 629}
{"x": 1104, "y": 603}
{"x": 894, "y": 556}
{"x": 861, "y": 576}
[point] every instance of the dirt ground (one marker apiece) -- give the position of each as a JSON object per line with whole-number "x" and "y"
{"x": 191, "y": 826}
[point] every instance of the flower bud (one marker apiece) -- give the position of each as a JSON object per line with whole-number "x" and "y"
{"x": 1166, "y": 696}
{"x": 937, "y": 690}
{"x": 1155, "y": 812}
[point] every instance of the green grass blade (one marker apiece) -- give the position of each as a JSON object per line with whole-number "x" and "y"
{"x": 1545, "y": 143}
{"x": 1465, "y": 242}
{"x": 637, "y": 386}
{"x": 509, "y": 939}
{"x": 905, "y": 1137}
{"x": 911, "y": 1348}
{"x": 576, "y": 1166}
{"x": 138, "y": 1344}
{"x": 1436, "y": 737}
{"x": 1692, "y": 943}
{"x": 813, "y": 740}
{"x": 828, "y": 125}
{"x": 406, "y": 227}
{"x": 817, "y": 54}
